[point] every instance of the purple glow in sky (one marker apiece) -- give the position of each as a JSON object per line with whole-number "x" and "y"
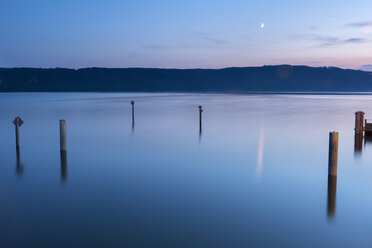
{"x": 185, "y": 34}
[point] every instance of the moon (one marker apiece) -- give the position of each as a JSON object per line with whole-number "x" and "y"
{"x": 262, "y": 25}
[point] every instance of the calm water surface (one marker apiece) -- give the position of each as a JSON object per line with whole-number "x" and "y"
{"x": 255, "y": 177}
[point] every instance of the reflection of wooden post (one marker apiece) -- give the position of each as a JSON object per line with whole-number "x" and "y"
{"x": 359, "y": 121}
{"x": 200, "y": 118}
{"x": 63, "y": 165}
{"x": 358, "y": 143}
{"x": 19, "y": 167}
{"x": 331, "y": 199}
{"x": 333, "y": 152}
{"x": 17, "y": 122}
{"x": 62, "y": 134}
{"x": 132, "y": 102}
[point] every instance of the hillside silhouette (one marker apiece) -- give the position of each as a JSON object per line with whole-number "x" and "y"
{"x": 279, "y": 78}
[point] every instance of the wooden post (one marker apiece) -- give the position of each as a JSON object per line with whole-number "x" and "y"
{"x": 333, "y": 153}
{"x": 332, "y": 173}
{"x": 359, "y": 121}
{"x": 17, "y": 133}
{"x": 62, "y": 134}
{"x": 200, "y": 118}
{"x": 17, "y": 122}
{"x": 132, "y": 102}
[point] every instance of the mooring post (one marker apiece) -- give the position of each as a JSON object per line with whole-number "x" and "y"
{"x": 332, "y": 173}
{"x": 132, "y": 102}
{"x": 62, "y": 135}
{"x": 200, "y": 118}
{"x": 359, "y": 121}
{"x": 333, "y": 153}
{"x": 17, "y": 122}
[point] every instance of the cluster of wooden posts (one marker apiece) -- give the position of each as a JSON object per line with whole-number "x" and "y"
{"x": 63, "y": 143}
{"x": 332, "y": 160}
{"x": 333, "y": 136}
{"x": 333, "y": 140}
{"x": 360, "y": 133}
{"x": 62, "y": 128}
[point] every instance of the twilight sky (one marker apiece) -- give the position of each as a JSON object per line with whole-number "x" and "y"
{"x": 185, "y": 34}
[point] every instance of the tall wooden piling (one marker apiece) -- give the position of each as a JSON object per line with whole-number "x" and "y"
{"x": 17, "y": 134}
{"x": 359, "y": 121}
{"x": 200, "y": 118}
{"x": 333, "y": 153}
{"x": 17, "y": 123}
{"x": 132, "y": 102}
{"x": 62, "y": 134}
{"x": 332, "y": 173}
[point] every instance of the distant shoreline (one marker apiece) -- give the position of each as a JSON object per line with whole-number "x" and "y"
{"x": 196, "y": 93}
{"x": 278, "y": 79}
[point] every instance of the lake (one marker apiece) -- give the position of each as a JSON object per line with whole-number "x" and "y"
{"x": 256, "y": 176}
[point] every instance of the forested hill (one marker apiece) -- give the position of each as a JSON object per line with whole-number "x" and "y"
{"x": 237, "y": 80}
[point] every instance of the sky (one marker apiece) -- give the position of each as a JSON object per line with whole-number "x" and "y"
{"x": 185, "y": 34}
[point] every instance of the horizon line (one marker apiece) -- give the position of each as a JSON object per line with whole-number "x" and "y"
{"x": 173, "y": 68}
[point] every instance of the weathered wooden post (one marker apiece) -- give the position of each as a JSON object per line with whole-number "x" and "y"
{"x": 17, "y": 122}
{"x": 359, "y": 121}
{"x": 332, "y": 173}
{"x": 132, "y": 102}
{"x": 333, "y": 153}
{"x": 200, "y": 118}
{"x": 62, "y": 135}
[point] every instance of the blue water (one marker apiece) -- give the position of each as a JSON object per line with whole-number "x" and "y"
{"x": 255, "y": 177}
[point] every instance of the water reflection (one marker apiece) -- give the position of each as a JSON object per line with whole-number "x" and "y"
{"x": 19, "y": 166}
{"x": 367, "y": 139}
{"x": 358, "y": 144}
{"x": 63, "y": 166}
{"x": 331, "y": 199}
{"x": 260, "y": 153}
{"x": 215, "y": 193}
